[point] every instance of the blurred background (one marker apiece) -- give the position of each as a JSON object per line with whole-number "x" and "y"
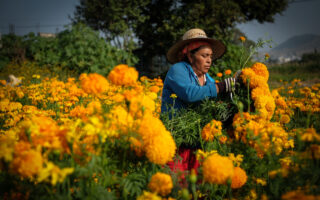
{"x": 139, "y": 33}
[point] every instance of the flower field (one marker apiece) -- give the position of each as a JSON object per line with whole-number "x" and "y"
{"x": 96, "y": 137}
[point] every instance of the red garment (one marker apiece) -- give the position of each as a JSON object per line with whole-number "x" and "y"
{"x": 187, "y": 161}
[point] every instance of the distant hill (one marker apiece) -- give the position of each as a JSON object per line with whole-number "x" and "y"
{"x": 294, "y": 47}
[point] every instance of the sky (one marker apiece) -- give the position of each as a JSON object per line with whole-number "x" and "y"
{"x": 52, "y": 15}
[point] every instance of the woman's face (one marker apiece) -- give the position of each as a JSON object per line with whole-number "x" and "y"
{"x": 201, "y": 60}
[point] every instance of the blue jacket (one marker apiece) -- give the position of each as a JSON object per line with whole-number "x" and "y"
{"x": 182, "y": 81}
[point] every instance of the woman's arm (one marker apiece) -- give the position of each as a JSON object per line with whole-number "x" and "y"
{"x": 185, "y": 86}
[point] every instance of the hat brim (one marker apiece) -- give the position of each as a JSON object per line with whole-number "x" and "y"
{"x": 218, "y": 48}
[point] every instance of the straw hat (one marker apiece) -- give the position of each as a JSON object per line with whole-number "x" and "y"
{"x": 191, "y": 35}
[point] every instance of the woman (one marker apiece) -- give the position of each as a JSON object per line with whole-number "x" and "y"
{"x": 189, "y": 80}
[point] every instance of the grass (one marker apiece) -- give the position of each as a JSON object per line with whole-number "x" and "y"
{"x": 308, "y": 73}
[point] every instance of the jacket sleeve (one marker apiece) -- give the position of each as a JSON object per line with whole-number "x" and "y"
{"x": 185, "y": 87}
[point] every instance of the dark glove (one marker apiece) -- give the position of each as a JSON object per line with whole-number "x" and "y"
{"x": 227, "y": 85}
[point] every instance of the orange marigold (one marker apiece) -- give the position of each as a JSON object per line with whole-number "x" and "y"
{"x": 94, "y": 83}
{"x": 242, "y": 38}
{"x": 239, "y": 178}
{"x": 211, "y": 129}
{"x": 27, "y": 162}
{"x": 219, "y": 74}
{"x": 227, "y": 72}
{"x": 261, "y": 70}
{"x": 161, "y": 183}
{"x": 123, "y": 75}
{"x": 217, "y": 169}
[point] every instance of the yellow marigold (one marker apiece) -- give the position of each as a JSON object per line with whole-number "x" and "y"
{"x": 255, "y": 81}
{"x": 217, "y": 169}
{"x": 227, "y": 72}
{"x": 148, "y": 196}
{"x": 259, "y": 91}
{"x": 284, "y": 119}
{"x": 46, "y": 133}
{"x": 212, "y": 129}
{"x": 201, "y": 155}
{"x": 52, "y": 173}
{"x": 280, "y": 102}
{"x": 94, "y": 83}
{"x": 270, "y": 106}
{"x": 141, "y": 104}
{"x": 219, "y": 74}
{"x": 158, "y": 143}
{"x": 123, "y": 75}
{"x": 261, "y": 70}
{"x": 236, "y": 159}
{"x": 174, "y": 96}
{"x": 27, "y": 162}
{"x": 239, "y": 178}
{"x": 120, "y": 120}
{"x": 161, "y": 183}
{"x": 94, "y": 107}
{"x": 7, "y": 143}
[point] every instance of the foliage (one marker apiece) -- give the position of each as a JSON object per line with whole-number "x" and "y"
{"x": 158, "y": 24}
{"x": 82, "y": 49}
{"x": 79, "y": 49}
{"x": 13, "y": 49}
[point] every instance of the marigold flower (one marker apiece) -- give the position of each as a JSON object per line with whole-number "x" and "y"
{"x": 260, "y": 181}
{"x": 148, "y": 196}
{"x": 141, "y": 104}
{"x": 154, "y": 88}
{"x": 211, "y": 130}
{"x": 27, "y": 162}
{"x": 285, "y": 119}
{"x": 52, "y": 173}
{"x": 174, "y": 96}
{"x": 123, "y": 75}
{"x": 94, "y": 83}
{"x": 158, "y": 143}
{"x": 223, "y": 139}
{"x": 261, "y": 70}
{"x": 219, "y": 74}
{"x": 236, "y": 159}
{"x": 227, "y": 72}
{"x": 7, "y": 143}
{"x": 242, "y": 38}
{"x": 267, "y": 56}
{"x": 161, "y": 183}
{"x": 217, "y": 169}
{"x": 239, "y": 178}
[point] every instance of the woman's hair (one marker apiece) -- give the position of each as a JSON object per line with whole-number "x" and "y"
{"x": 192, "y": 52}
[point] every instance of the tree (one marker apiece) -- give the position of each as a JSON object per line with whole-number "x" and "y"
{"x": 116, "y": 18}
{"x": 157, "y": 24}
